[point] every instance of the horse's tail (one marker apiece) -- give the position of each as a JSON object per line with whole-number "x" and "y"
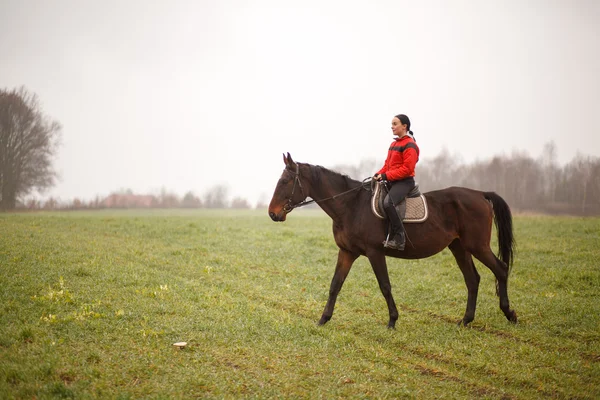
{"x": 503, "y": 221}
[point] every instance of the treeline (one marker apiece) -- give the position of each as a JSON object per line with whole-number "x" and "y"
{"x": 216, "y": 197}
{"x": 528, "y": 184}
{"x": 29, "y": 141}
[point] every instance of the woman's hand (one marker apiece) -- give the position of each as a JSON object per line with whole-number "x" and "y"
{"x": 377, "y": 177}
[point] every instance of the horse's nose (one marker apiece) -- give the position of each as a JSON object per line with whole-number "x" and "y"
{"x": 277, "y": 217}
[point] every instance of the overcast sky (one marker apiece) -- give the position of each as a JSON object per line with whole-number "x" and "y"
{"x": 186, "y": 95}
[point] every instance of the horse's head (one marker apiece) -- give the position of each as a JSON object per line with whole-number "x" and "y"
{"x": 289, "y": 191}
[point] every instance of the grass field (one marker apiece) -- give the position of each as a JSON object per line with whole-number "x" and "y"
{"x": 91, "y": 303}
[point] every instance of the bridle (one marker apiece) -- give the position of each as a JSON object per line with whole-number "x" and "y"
{"x": 290, "y": 206}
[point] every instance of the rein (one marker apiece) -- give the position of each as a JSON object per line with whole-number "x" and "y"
{"x": 289, "y": 206}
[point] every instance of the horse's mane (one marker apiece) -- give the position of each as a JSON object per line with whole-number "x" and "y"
{"x": 337, "y": 179}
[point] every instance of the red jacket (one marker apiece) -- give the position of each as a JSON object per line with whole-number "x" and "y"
{"x": 402, "y": 157}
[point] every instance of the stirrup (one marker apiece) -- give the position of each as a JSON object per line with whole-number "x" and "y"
{"x": 394, "y": 244}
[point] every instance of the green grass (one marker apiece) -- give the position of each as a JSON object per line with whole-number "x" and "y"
{"x": 91, "y": 303}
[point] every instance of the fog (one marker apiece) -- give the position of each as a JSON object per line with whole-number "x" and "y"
{"x": 185, "y": 96}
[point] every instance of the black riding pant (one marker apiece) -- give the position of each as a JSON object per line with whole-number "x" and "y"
{"x": 397, "y": 191}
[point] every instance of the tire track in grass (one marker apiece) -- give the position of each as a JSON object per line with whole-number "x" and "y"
{"x": 477, "y": 390}
{"x": 425, "y": 362}
{"x": 428, "y": 363}
{"x": 301, "y": 309}
{"x": 421, "y": 356}
{"x": 556, "y": 392}
{"x": 422, "y": 361}
{"x": 590, "y": 357}
{"x": 515, "y": 383}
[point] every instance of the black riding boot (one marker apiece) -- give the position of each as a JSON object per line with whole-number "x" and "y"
{"x": 397, "y": 232}
{"x": 397, "y": 243}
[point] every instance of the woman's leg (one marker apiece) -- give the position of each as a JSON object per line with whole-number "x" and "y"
{"x": 396, "y": 194}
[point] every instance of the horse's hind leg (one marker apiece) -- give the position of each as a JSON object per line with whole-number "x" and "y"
{"x": 467, "y": 267}
{"x": 379, "y": 265}
{"x": 344, "y": 263}
{"x": 500, "y": 270}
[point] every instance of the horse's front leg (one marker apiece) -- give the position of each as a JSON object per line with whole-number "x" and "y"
{"x": 379, "y": 265}
{"x": 344, "y": 263}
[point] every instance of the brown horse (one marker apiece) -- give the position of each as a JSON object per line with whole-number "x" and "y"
{"x": 459, "y": 218}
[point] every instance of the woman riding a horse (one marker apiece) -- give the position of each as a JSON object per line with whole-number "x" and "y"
{"x": 399, "y": 171}
{"x": 460, "y": 219}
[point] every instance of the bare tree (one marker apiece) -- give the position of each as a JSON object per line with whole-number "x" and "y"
{"x": 32, "y": 204}
{"x": 216, "y": 197}
{"x": 168, "y": 199}
{"x": 239, "y": 202}
{"x": 51, "y": 204}
{"x": 442, "y": 171}
{"x": 551, "y": 175}
{"x": 582, "y": 182}
{"x": 263, "y": 201}
{"x": 364, "y": 169}
{"x": 190, "y": 200}
{"x": 28, "y": 144}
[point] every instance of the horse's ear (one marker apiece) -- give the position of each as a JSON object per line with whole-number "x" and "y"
{"x": 290, "y": 162}
{"x": 285, "y": 160}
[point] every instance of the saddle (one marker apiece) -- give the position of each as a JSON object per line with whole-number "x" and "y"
{"x": 413, "y": 209}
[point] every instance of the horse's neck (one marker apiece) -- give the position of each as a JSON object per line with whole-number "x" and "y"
{"x": 339, "y": 208}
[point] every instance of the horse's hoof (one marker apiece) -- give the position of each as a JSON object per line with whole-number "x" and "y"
{"x": 513, "y": 317}
{"x": 463, "y": 322}
{"x": 323, "y": 320}
{"x": 392, "y": 325}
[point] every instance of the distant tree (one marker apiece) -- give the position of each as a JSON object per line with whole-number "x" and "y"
{"x": 439, "y": 172}
{"x": 364, "y": 169}
{"x": 239, "y": 202}
{"x": 96, "y": 202}
{"x": 168, "y": 199}
{"x": 216, "y": 197}
{"x": 582, "y": 182}
{"x": 28, "y": 144}
{"x": 262, "y": 201}
{"x": 550, "y": 170}
{"x": 51, "y": 204}
{"x": 154, "y": 202}
{"x": 190, "y": 200}
{"x": 77, "y": 204}
{"x": 32, "y": 204}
